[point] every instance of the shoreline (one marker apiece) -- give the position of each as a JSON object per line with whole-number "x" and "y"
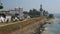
{"x": 49, "y": 22}
{"x": 52, "y": 19}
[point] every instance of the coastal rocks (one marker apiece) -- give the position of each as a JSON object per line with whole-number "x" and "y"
{"x": 48, "y": 22}
{"x": 43, "y": 27}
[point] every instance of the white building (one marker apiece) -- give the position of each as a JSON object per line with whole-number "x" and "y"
{"x": 8, "y": 15}
{"x": 4, "y": 17}
{"x": 17, "y": 11}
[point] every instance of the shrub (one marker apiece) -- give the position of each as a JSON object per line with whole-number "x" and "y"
{"x": 51, "y": 16}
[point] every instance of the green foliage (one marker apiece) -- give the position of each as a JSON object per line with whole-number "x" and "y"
{"x": 25, "y": 12}
{"x": 51, "y": 16}
{"x": 37, "y": 13}
{"x": 34, "y": 13}
{"x": 1, "y": 7}
{"x": 45, "y": 13}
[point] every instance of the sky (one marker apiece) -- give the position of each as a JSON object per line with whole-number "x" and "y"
{"x": 52, "y": 6}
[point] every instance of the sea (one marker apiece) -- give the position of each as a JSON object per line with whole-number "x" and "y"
{"x": 54, "y": 27}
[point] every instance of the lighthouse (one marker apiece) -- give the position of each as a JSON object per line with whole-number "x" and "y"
{"x": 41, "y": 10}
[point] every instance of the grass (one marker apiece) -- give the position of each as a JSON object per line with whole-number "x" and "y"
{"x": 9, "y": 28}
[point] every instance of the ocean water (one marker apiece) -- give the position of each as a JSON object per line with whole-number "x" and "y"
{"x": 53, "y": 28}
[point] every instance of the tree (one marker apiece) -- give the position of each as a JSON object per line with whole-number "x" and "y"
{"x": 44, "y": 13}
{"x": 34, "y": 13}
{"x": 1, "y": 5}
{"x": 25, "y": 12}
{"x": 30, "y": 12}
{"x": 51, "y": 16}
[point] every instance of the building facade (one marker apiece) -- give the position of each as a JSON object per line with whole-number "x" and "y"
{"x": 18, "y": 11}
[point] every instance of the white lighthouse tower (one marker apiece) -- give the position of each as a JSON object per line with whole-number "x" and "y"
{"x": 41, "y": 10}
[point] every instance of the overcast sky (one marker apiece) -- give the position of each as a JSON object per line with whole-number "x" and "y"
{"x": 53, "y": 6}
